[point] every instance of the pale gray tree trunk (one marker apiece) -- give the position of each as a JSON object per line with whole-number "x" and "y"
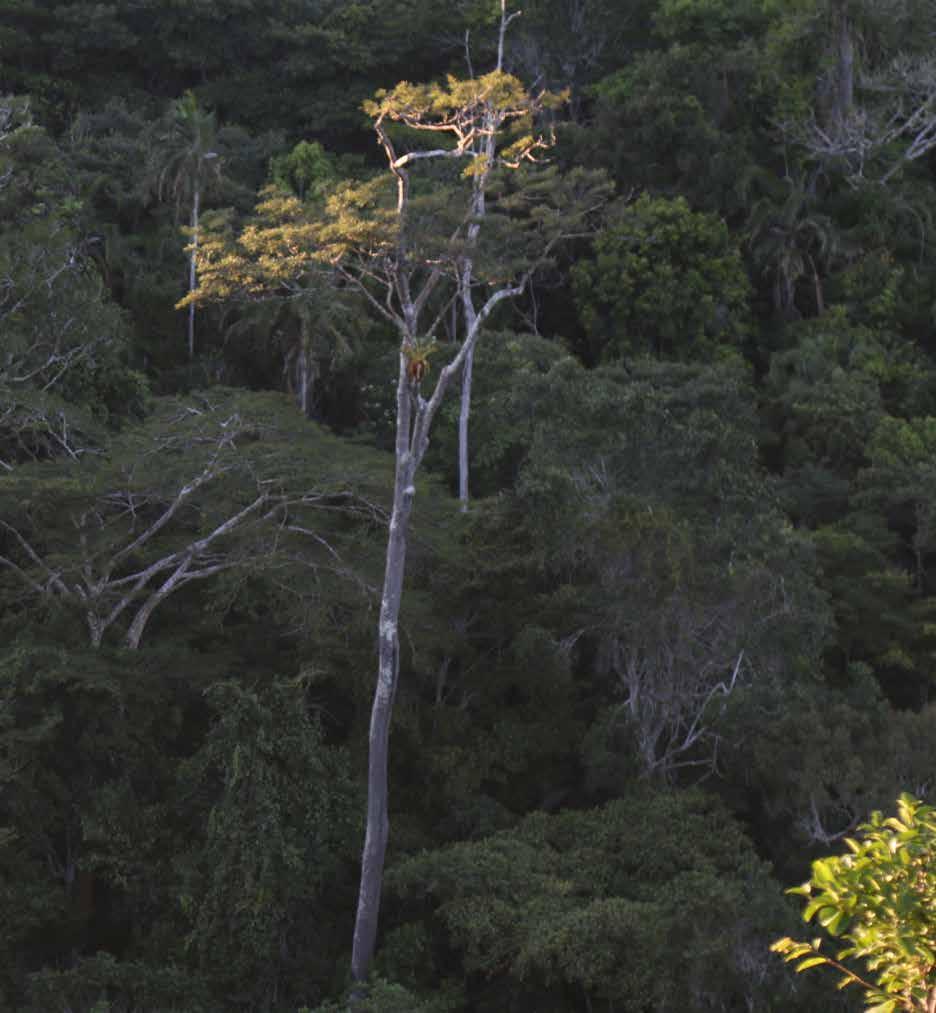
{"x": 193, "y": 255}
{"x": 414, "y": 422}
{"x": 415, "y": 416}
{"x": 304, "y": 382}
{"x": 95, "y": 629}
{"x": 471, "y": 322}
{"x": 463, "y": 417}
{"x": 931, "y": 1001}
{"x": 488, "y": 149}
{"x": 388, "y": 654}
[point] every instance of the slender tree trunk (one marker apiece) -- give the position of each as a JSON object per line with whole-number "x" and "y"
{"x": 378, "y": 822}
{"x": 478, "y": 209}
{"x": 817, "y": 284}
{"x": 303, "y": 365}
{"x": 414, "y": 421}
{"x": 95, "y": 629}
{"x": 844, "y": 85}
{"x": 470, "y": 317}
{"x": 196, "y": 200}
{"x": 463, "y": 418}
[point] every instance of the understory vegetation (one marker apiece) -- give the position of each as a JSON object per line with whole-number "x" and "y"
{"x": 556, "y": 389}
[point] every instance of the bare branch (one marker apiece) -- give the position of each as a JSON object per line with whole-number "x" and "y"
{"x": 54, "y": 579}
{"x": 415, "y": 156}
{"x": 504, "y": 24}
{"x": 815, "y": 830}
{"x": 383, "y": 308}
{"x": 898, "y": 114}
{"x": 468, "y": 52}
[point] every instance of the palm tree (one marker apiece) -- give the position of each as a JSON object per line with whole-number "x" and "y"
{"x": 183, "y": 167}
{"x": 790, "y": 241}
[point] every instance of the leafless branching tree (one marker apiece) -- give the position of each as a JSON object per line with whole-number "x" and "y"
{"x": 138, "y": 536}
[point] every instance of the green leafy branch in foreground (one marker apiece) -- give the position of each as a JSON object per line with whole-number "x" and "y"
{"x": 880, "y": 899}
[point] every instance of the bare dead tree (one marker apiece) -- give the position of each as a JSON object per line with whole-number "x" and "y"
{"x": 109, "y": 582}
{"x": 890, "y": 125}
{"x": 814, "y": 826}
{"x": 670, "y": 684}
{"x": 677, "y": 663}
{"x": 485, "y": 148}
{"x": 565, "y": 50}
{"x": 140, "y": 537}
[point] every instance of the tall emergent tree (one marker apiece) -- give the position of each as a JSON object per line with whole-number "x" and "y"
{"x": 400, "y": 259}
{"x": 484, "y": 148}
{"x": 185, "y": 162}
{"x": 413, "y": 247}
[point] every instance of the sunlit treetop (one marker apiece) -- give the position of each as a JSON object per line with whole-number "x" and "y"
{"x": 469, "y": 111}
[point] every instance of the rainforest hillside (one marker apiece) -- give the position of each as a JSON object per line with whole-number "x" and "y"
{"x": 555, "y": 387}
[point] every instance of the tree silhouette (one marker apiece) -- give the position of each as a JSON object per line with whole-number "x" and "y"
{"x": 184, "y": 165}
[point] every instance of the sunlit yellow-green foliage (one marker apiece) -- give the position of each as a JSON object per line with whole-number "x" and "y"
{"x": 360, "y": 218}
{"x": 457, "y": 100}
{"x": 287, "y": 237}
{"x": 468, "y": 110}
{"x": 880, "y": 899}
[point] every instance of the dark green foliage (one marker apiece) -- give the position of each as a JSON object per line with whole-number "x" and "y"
{"x": 88, "y": 751}
{"x": 385, "y": 997}
{"x": 75, "y": 54}
{"x": 664, "y": 282}
{"x": 63, "y": 371}
{"x": 690, "y": 118}
{"x": 701, "y": 544}
{"x": 542, "y": 915}
{"x": 283, "y": 816}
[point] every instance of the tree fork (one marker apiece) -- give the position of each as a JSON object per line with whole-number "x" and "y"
{"x": 398, "y": 285}
{"x": 414, "y": 421}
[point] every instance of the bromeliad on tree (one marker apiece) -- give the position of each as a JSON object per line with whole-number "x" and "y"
{"x": 417, "y": 358}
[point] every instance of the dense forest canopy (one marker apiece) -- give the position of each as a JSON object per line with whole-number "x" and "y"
{"x": 611, "y": 324}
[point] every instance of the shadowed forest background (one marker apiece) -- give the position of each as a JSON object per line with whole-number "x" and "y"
{"x": 680, "y": 643}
